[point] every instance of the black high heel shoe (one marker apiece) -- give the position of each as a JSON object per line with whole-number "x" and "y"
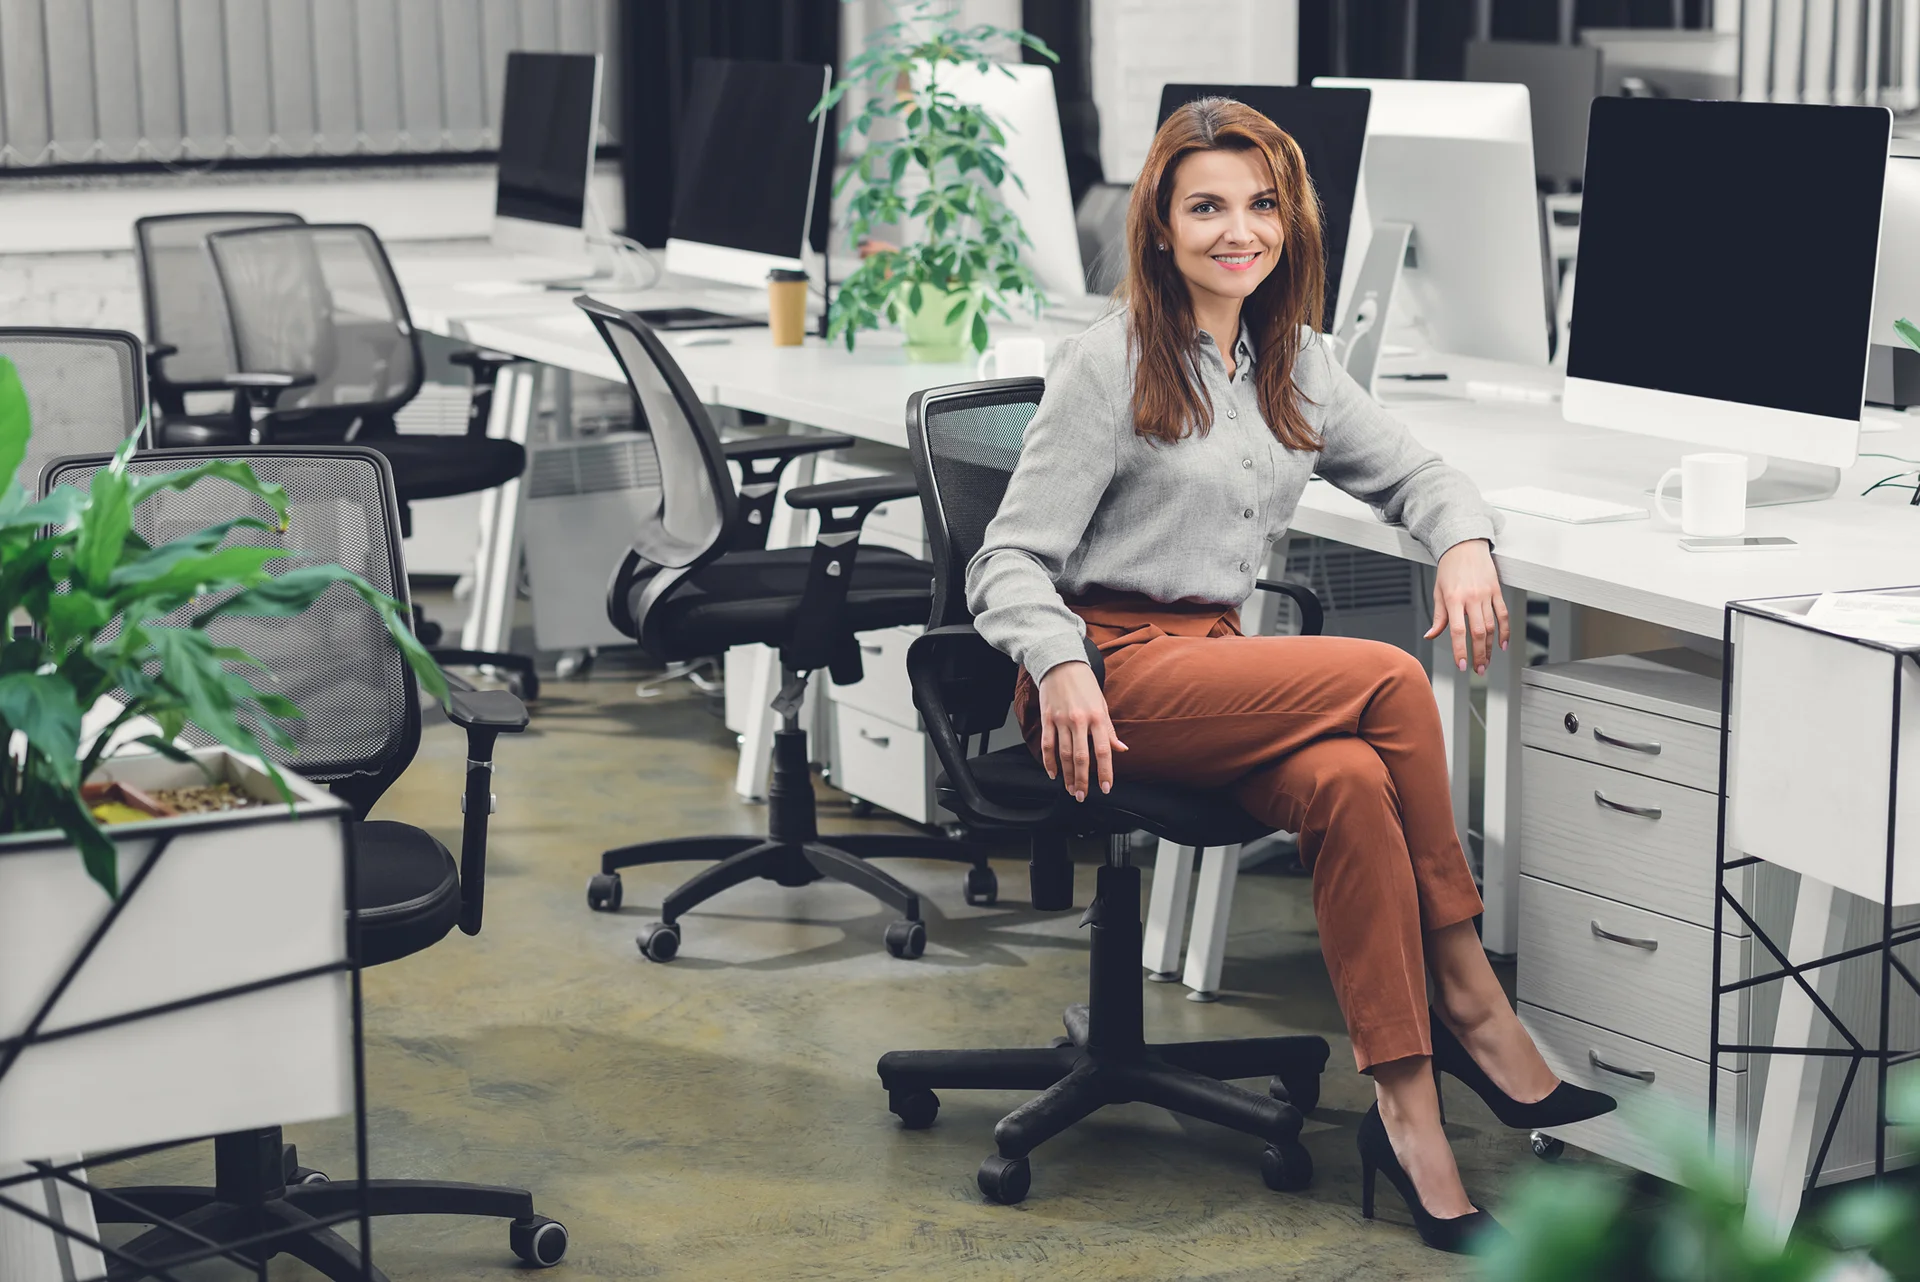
{"x": 1456, "y": 1235}
{"x": 1568, "y": 1103}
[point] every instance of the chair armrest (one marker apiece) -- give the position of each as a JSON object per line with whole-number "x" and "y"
{"x": 953, "y": 663}
{"x": 865, "y": 492}
{"x": 485, "y": 365}
{"x": 160, "y": 351}
{"x": 1313, "y": 615}
{"x": 485, "y": 715}
{"x": 783, "y": 447}
{"x": 262, "y": 390}
{"x": 481, "y": 360}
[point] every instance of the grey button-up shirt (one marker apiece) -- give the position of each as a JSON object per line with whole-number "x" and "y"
{"x": 1092, "y": 503}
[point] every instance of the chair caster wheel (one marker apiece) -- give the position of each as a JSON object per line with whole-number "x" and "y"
{"x": 1301, "y": 1092}
{"x": 659, "y": 942}
{"x": 539, "y": 1241}
{"x": 604, "y": 892}
{"x": 982, "y": 887}
{"x": 860, "y": 809}
{"x": 1005, "y": 1179}
{"x": 916, "y": 1109}
{"x": 907, "y": 939}
{"x": 306, "y": 1175}
{"x": 1547, "y": 1148}
{"x": 1287, "y": 1168}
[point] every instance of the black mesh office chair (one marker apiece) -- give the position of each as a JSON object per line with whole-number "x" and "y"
{"x": 687, "y": 588}
{"x": 86, "y": 390}
{"x": 186, "y": 347}
{"x": 966, "y": 440}
{"x": 317, "y": 320}
{"x": 359, "y": 733}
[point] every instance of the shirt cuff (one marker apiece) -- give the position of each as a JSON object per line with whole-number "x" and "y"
{"x": 1463, "y": 529}
{"x": 1050, "y": 652}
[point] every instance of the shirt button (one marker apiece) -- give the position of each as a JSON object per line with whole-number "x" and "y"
{"x": 1233, "y": 413}
{"x": 1248, "y": 514}
{"x": 1245, "y": 566}
{"x": 1246, "y": 462}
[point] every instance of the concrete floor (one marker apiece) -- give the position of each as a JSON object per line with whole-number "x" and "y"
{"x": 719, "y": 1117}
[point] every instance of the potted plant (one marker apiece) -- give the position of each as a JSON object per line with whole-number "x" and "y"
{"x": 932, "y": 161}
{"x": 115, "y": 916}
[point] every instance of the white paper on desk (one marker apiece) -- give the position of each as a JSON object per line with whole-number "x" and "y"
{"x": 1873, "y": 616}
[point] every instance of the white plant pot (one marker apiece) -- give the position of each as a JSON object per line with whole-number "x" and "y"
{"x": 236, "y": 898}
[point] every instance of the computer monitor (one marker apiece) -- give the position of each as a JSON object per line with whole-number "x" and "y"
{"x": 549, "y": 120}
{"x": 1331, "y": 127}
{"x": 1717, "y": 307}
{"x": 1454, "y": 162}
{"x": 1658, "y": 62}
{"x": 1021, "y": 97}
{"x": 748, "y": 158}
{"x": 1562, "y": 81}
{"x": 1893, "y": 370}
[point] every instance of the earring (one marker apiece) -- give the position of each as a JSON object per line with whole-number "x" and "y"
{"x": 1163, "y": 244}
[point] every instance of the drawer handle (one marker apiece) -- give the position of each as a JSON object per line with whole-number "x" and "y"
{"x": 1651, "y": 749}
{"x": 1645, "y": 812}
{"x": 1637, "y": 1074}
{"x": 1600, "y": 932}
{"x": 877, "y": 740}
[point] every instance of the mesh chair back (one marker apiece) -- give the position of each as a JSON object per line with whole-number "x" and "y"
{"x": 320, "y": 299}
{"x": 965, "y": 440}
{"x": 1101, "y": 221}
{"x": 181, "y": 295}
{"x": 698, "y": 504}
{"x": 86, "y": 391}
{"x": 335, "y": 661}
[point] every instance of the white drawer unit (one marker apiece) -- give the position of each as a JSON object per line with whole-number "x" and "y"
{"x": 1629, "y": 739}
{"x": 888, "y": 764}
{"x": 883, "y": 688}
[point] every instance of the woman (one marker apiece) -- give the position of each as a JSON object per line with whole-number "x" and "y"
{"x": 1169, "y": 451}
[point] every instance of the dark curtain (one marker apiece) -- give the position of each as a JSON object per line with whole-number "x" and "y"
{"x": 659, "y": 39}
{"x": 1067, "y": 27}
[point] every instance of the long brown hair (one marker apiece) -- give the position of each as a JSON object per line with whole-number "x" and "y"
{"x": 1169, "y": 399}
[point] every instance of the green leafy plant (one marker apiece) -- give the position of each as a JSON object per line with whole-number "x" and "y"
{"x": 1909, "y": 331}
{"x": 1583, "y": 1224}
{"x": 935, "y": 160}
{"x": 97, "y": 594}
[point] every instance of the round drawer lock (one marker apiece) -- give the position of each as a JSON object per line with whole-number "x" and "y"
{"x": 1572, "y": 724}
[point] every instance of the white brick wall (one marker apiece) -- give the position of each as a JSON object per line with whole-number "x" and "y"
{"x": 1141, "y": 46}
{"x": 90, "y": 290}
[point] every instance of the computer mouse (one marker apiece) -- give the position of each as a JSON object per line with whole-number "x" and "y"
{"x": 703, "y": 340}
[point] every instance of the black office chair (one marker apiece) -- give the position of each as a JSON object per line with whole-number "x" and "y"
{"x": 686, "y": 588}
{"x": 317, "y": 321}
{"x": 966, "y": 440}
{"x": 186, "y": 347}
{"x": 86, "y": 390}
{"x": 359, "y": 733}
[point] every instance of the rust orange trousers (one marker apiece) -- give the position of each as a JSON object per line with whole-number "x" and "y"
{"x": 1333, "y": 738}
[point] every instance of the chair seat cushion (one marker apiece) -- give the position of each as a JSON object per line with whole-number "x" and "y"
{"x": 435, "y": 467}
{"x": 406, "y": 887}
{"x": 1189, "y": 816}
{"x": 746, "y": 597}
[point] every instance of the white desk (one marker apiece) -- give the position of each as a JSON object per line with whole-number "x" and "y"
{"x": 1632, "y": 568}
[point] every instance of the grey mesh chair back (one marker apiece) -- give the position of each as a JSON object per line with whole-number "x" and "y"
{"x": 181, "y": 296}
{"x": 335, "y": 661}
{"x": 86, "y": 391}
{"x": 966, "y": 440}
{"x": 319, "y": 299}
{"x": 698, "y": 503}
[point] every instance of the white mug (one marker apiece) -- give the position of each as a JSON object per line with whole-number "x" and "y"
{"x": 1014, "y": 358}
{"x": 1713, "y": 494}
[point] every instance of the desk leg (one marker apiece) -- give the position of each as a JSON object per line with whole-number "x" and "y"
{"x": 789, "y": 529}
{"x": 1213, "y": 905}
{"x": 1167, "y": 909}
{"x": 496, "y": 569}
{"x": 1563, "y": 628}
{"x": 1453, "y": 691}
{"x": 1500, "y": 825}
{"x": 1782, "y": 1137}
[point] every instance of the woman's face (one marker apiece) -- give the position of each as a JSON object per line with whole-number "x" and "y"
{"x": 1225, "y": 217}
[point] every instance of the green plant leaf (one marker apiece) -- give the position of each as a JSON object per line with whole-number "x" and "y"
{"x": 104, "y": 524}
{"x": 43, "y": 707}
{"x": 979, "y": 332}
{"x": 1908, "y": 331}
{"x": 97, "y": 850}
{"x": 16, "y": 421}
{"x": 222, "y": 469}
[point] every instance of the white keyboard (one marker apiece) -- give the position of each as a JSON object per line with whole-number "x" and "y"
{"x": 1558, "y": 505}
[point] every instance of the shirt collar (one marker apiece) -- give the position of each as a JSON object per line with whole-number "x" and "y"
{"x": 1242, "y": 348}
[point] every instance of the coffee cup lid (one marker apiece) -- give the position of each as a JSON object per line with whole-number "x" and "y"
{"x": 786, "y": 273}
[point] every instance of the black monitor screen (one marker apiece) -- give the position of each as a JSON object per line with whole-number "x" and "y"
{"x": 1727, "y": 250}
{"x": 743, "y": 176}
{"x": 547, "y": 133}
{"x": 1331, "y": 127}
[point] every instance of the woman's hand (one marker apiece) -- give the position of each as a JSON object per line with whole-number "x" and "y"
{"x": 1468, "y": 602}
{"x": 1076, "y": 737}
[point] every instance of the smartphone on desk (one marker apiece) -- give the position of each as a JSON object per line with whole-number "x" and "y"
{"x": 1739, "y": 543}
